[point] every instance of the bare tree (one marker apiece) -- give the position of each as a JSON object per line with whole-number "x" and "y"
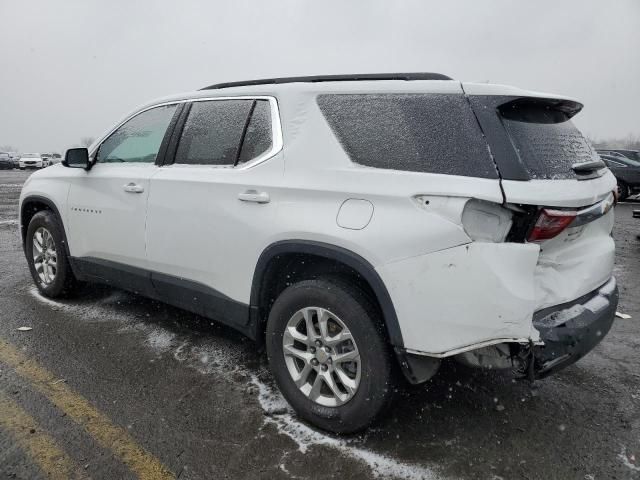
{"x": 8, "y": 148}
{"x": 86, "y": 141}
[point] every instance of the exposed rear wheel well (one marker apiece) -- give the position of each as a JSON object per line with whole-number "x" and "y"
{"x": 280, "y": 270}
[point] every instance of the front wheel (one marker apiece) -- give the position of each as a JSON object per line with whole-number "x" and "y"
{"x": 47, "y": 257}
{"x": 328, "y": 353}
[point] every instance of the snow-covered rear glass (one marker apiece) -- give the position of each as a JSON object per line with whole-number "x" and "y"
{"x": 434, "y": 133}
{"x": 546, "y": 141}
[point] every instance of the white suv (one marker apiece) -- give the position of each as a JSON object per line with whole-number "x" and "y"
{"x": 356, "y": 225}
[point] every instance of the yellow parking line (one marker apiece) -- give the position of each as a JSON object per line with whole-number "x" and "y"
{"x": 38, "y": 445}
{"x": 112, "y": 437}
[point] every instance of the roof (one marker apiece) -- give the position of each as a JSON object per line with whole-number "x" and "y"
{"x": 333, "y": 78}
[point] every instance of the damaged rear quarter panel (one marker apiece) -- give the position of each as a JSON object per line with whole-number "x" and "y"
{"x": 464, "y": 295}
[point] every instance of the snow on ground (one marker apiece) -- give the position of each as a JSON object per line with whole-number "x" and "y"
{"x": 223, "y": 358}
{"x": 627, "y": 461}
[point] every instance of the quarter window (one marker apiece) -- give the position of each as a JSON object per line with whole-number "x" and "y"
{"x": 432, "y": 133}
{"x": 225, "y": 132}
{"x": 139, "y": 139}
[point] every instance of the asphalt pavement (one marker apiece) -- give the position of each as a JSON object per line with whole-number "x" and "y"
{"x": 110, "y": 385}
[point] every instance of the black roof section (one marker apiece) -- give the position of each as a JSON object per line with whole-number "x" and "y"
{"x": 334, "y": 78}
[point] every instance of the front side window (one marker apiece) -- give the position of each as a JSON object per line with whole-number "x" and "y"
{"x": 139, "y": 139}
{"x": 225, "y": 132}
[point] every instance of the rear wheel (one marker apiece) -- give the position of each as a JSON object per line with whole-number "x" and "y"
{"x": 329, "y": 355}
{"x": 623, "y": 190}
{"x": 46, "y": 255}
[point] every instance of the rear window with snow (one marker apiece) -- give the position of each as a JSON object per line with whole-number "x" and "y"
{"x": 434, "y": 133}
{"x": 547, "y": 143}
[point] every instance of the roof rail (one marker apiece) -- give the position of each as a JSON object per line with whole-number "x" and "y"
{"x": 333, "y": 78}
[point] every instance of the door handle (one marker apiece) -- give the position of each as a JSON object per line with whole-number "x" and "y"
{"x": 254, "y": 196}
{"x": 133, "y": 188}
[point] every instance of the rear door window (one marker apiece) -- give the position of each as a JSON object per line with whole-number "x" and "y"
{"x": 225, "y": 132}
{"x": 433, "y": 133}
{"x": 257, "y": 136}
{"x": 212, "y": 132}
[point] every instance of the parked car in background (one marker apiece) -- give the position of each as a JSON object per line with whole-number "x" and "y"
{"x": 630, "y": 154}
{"x": 5, "y": 161}
{"x": 627, "y": 173}
{"x": 315, "y": 216}
{"x": 15, "y": 158}
{"x": 50, "y": 159}
{"x": 30, "y": 160}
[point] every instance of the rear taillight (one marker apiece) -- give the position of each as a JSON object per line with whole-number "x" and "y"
{"x": 551, "y": 223}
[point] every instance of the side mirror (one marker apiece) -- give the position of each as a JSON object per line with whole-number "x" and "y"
{"x": 77, "y": 158}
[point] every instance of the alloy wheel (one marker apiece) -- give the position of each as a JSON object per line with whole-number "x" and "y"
{"x": 321, "y": 356}
{"x": 45, "y": 258}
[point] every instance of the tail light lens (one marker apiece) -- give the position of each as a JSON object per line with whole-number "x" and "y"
{"x": 551, "y": 223}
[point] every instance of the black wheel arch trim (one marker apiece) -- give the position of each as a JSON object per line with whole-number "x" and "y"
{"x": 339, "y": 254}
{"x": 52, "y": 206}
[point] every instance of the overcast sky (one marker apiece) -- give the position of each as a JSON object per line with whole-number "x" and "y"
{"x": 70, "y": 69}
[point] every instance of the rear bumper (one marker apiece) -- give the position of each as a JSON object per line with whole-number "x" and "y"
{"x": 571, "y": 330}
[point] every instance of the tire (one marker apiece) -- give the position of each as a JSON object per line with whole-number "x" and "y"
{"x": 63, "y": 282}
{"x": 337, "y": 299}
{"x": 623, "y": 191}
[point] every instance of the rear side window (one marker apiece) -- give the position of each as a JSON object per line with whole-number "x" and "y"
{"x": 258, "y": 137}
{"x": 433, "y": 133}
{"x": 212, "y": 132}
{"x": 225, "y": 132}
{"x": 546, "y": 141}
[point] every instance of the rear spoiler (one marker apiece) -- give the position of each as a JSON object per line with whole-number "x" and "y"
{"x": 564, "y": 109}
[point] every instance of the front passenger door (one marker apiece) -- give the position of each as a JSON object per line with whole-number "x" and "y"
{"x": 107, "y": 204}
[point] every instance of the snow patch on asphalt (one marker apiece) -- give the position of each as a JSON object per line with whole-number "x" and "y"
{"x": 305, "y": 437}
{"x": 94, "y": 312}
{"x": 626, "y": 461}
{"x": 225, "y": 360}
{"x": 8, "y": 222}
{"x": 160, "y": 339}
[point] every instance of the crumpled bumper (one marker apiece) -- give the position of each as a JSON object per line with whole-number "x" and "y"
{"x": 571, "y": 330}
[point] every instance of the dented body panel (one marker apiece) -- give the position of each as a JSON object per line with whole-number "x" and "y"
{"x": 464, "y": 297}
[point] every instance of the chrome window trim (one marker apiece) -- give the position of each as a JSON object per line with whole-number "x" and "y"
{"x": 276, "y": 128}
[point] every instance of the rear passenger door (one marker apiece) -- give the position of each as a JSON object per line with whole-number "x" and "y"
{"x": 211, "y": 208}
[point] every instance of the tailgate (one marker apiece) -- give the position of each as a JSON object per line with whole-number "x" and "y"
{"x": 549, "y": 171}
